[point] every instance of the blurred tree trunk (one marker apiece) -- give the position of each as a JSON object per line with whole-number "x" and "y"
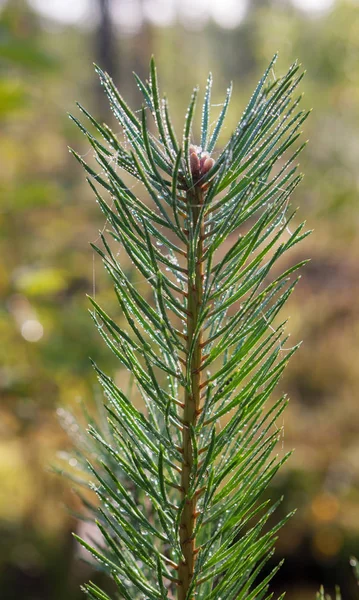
{"x": 145, "y": 46}
{"x": 105, "y": 38}
{"x": 106, "y": 54}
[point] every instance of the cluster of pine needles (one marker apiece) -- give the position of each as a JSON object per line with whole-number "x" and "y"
{"x": 180, "y": 483}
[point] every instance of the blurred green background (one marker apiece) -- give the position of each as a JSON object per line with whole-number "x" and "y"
{"x": 48, "y": 216}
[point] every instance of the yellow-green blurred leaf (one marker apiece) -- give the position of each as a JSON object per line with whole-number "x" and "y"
{"x": 37, "y": 282}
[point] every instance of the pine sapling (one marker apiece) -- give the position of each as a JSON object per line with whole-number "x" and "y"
{"x": 180, "y": 482}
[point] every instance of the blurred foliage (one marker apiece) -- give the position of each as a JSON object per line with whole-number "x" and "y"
{"x": 47, "y": 218}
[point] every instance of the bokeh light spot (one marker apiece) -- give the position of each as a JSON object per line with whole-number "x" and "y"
{"x": 328, "y": 541}
{"x": 228, "y": 14}
{"x": 314, "y": 6}
{"x": 160, "y": 12}
{"x": 325, "y": 507}
{"x": 32, "y": 330}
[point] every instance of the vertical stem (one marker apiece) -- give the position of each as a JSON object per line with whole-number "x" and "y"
{"x": 192, "y": 405}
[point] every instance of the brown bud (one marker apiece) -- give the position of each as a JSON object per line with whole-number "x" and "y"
{"x": 195, "y": 164}
{"x": 204, "y": 156}
{"x": 207, "y": 165}
{"x": 200, "y": 162}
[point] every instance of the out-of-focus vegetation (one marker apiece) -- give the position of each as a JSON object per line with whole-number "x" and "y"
{"x": 47, "y": 218}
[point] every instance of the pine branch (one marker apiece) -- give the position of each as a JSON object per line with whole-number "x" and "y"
{"x": 180, "y": 482}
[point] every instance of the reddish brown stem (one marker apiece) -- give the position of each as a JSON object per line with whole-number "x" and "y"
{"x": 192, "y": 408}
